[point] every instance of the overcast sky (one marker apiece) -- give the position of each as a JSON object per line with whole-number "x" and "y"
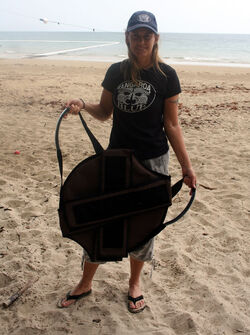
{"x": 195, "y": 16}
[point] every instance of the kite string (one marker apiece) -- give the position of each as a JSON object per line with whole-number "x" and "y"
{"x": 45, "y": 20}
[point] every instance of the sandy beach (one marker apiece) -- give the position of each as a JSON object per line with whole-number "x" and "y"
{"x": 199, "y": 282}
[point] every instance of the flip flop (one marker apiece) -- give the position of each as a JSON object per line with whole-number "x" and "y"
{"x": 72, "y": 297}
{"x": 134, "y": 300}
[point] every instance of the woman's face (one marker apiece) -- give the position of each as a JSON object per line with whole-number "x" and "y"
{"x": 141, "y": 42}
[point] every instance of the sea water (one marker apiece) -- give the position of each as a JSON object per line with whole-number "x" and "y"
{"x": 175, "y": 48}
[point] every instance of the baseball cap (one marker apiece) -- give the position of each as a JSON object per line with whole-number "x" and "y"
{"x": 142, "y": 19}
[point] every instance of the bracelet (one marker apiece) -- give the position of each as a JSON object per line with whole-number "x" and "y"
{"x": 82, "y": 103}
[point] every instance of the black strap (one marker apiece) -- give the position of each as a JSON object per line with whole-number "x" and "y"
{"x": 176, "y": 187}
{"x": 98, "y": 149}
{"x": 58, "y": 150}
{"x": 179, "y": 216}
{"x": 97, "y": 146}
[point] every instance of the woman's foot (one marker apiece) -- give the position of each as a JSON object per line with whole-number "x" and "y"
{"x": 136, "y": 301}
{"x": 80, "y": 291}
{"x": 71, "y": 299}
{"x": 83, "y": 288}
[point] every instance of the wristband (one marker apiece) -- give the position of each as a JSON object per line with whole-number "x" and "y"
{"x": 82, "y": 103}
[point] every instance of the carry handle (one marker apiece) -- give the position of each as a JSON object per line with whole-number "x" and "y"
{"x": 58, "y": 150}
{"x": 179, "y": 216}
{"x": 97, "y": 146}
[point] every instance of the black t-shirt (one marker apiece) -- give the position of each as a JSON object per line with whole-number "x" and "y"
{"x": 138, "y": 109}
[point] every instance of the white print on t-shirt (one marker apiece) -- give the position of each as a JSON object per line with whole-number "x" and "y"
{"x": 132, "y": 98}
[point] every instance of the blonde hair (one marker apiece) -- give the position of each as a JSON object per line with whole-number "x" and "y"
{"x": 131, "y": 68}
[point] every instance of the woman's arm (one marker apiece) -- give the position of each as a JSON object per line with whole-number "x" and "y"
{"x": 175, "y": 137}
{"x": 101, "y": 111}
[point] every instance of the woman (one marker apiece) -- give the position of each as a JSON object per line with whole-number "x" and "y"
{"x": 142, "y": 94}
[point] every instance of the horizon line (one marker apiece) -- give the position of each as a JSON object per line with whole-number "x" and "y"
{"x": 105, "y": 31}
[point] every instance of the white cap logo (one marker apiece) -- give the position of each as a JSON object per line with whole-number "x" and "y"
{"x": 144, "y": 18}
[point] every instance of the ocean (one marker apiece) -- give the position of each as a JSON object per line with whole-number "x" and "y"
{"x": 175, "y": 48}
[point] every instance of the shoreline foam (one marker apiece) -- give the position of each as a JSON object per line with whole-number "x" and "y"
{"x": 114, "y": 59}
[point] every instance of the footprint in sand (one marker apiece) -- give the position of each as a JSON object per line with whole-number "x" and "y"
{"x": 15, "y": 175}
{"x": 13, "y": 265}
{"x": 4, "y": 280}
{"x": 54, "y": 318}
{"x": 200, "y": 207}
{"x": 183, "y": 324}
{"x": 2, "y": 182}
{"x": 15, "y": 203}
{"x": 31, "y": 331}
{"x": 31, "y": 212}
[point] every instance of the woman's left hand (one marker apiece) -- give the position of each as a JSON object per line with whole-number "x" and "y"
{"x": 189, "y": 177}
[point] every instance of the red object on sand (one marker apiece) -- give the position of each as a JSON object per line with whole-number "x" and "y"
{"x": 17, "y": 152}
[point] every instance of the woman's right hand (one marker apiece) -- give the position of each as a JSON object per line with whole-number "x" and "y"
{"x": 75, "y": 106}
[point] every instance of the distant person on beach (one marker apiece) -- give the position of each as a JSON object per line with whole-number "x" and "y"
{"x": 141, "y": 93}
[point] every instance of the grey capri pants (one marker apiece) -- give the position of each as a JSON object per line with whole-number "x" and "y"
{"x": 145, "y": 252}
